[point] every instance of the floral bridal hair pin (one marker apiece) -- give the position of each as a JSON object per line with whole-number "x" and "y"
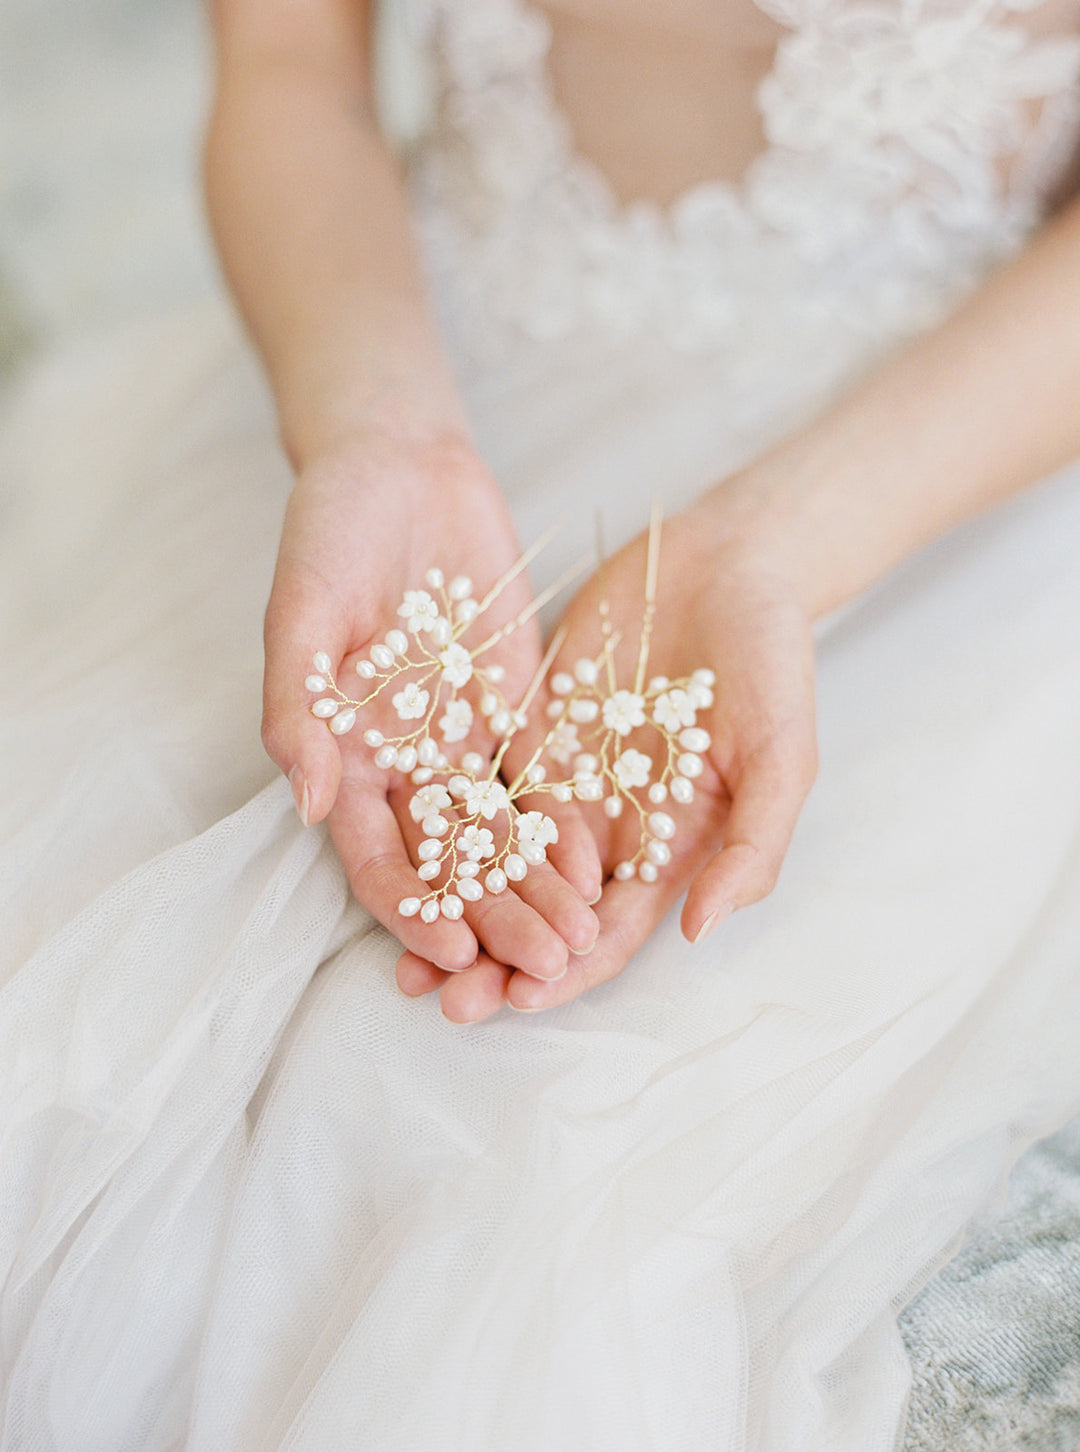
{"x": 476, "y": 838}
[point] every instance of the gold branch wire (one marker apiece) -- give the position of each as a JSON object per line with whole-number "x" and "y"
{"x": 538, "y": 603}
{"x": 652, "y": 571}
{"x": 520, "y": 564}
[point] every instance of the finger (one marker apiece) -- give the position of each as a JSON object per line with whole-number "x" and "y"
{"x": 575, "y": 856}
{"x": 365, "y": 833}
{"x": 628, "y": 913}
{"x": 548, "y": 894}
{"x": 477, "y": 993}
{"x": 416, "y": 976}
{"x": 302, "y": 617}
{"x": 764, "y": 809}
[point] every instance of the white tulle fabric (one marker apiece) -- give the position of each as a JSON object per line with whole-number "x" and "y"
{"x": 252, "y": 1198}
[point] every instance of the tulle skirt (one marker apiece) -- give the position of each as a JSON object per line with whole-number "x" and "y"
{"x": 251, "y": 1197}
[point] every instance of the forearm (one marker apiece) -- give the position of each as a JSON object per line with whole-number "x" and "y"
{"x": 310, "y": 218}
{"x": 969, "y": 414}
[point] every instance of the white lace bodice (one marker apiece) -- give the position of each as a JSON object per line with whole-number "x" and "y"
{"x": 910, "y": 145}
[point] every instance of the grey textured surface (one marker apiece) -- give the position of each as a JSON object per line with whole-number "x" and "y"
{"x": 100, "y": 220}
{"x": 994, "y": 1339}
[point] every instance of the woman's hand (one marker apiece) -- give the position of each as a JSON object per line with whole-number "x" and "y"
{"x": 364, "y": 524}
{"x": 727, "y": 599}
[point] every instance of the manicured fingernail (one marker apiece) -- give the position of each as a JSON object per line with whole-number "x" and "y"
{"x": 524, "y": 1008}
{"x": 300, "y": 794}
{"x": 711, "y": 921}
{"x": 594, "y": 900}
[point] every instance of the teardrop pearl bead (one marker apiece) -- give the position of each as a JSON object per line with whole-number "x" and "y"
{"x": 452, "y": 907}
{"x": 408, "y": 907}
{"x": 430, "y": 911}
{"x": 495, "y": 882}
{"x": 366, "y": 669}
{"x": 533, "y": 853}
{"x": 322, "y": 663}
{"x": 325, "y": 708}
{"x": 658, "y": 793}
{"x": 460, "y": 587}
{"x": 472, "y": 762}
{"x": 406, "y": 758}
{"x": 470, "y": 890}
{"x": 435, "y": 578}
{"x": 515, "y": 867}
{"x": 562, "y": 793}
{"x": 374, "y": 738}
{"x": 689, "y": 764}
{"x": 648, "y": 872}
{"x": 386, "y": 757}
{"x": 397, "y": 641}
{"x": 625, "y": 871}
{"x": 682, "y": 790}
{"x": 662, "y": 826}
{"x": 658, "y": 852}
{"x": 427, "y": 752}
{"x": 316, "y": 683}
{"x": 613, "y": 807}
{"x": 383, "y": 656}
{"x": 427, "y": 870}
{"x": 342, "y": 722}
{"x": 694, "y": 739}
{"x": 430, "y": 849}
{"x": 468, "y": 869}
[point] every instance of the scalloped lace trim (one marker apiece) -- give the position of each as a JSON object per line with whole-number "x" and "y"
{"x": 910, "y": 144}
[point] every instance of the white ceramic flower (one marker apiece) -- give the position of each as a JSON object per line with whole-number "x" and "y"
{"x": 457, "y": 721}
{"x": 632, "y": 769}
{"x": 456, "y": 662}
{"x": 563, "y": 743}
{"x": 428, "y": 801}
{"x": 476, "y": 843}
{"x": 623, "y": 711}
{"x": 534, "y": 828}
{"x": 674, "y": 710}
{"x": 419, "y": 611}
{"x": 485, "y": 798}
{"x": 411, "y": 702}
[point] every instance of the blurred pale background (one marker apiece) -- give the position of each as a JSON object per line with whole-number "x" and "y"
{"x": 100, "y": 115}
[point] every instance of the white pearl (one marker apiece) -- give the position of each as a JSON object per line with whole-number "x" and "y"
{"x": 408, "y": 907}
{"x": 434, "y": 579}
{"x": 374, "y": 738}
{"x": 467, "y": 611}
{"x": 322, "y": 663}
{"x": 452, "y": 907}
{"x": 554, "y": 710}
{"x": 470, "y": 889}
{"x": 426, "y": 752}
{"x": 613, "y": 807}
{"x": 430, "y": 849}
{"x": 406, "y": 758}
{"x": 659, "y": 683}
{"x": 583, "y": 711}
{"x": 430, "y": 911}
{"x": 589, "y": 790}
{"x": 441, "y": 632}
{"x": 535, "y": 774}
{"x": 562, "y": 683}
{"x": 366, "y": 669}
{"x": 533, "y": 853}
{"x": 648, "y": 872}
{"x": 460, "y": 587}
{"x": 428, "y": 870}
{"x": 442, "y": 761}
{"x": 422, "y": 775}
{"x": 689, "y": 764}
{"x": 587, "y": 763}
{"x": 682, "y": 790}
{"x": 495, "y": 882}
{"x": 472, "y": 762}
{"x": 457, "y": 786}
{"x": 586, "y": 671}
{"x": 562, "y": 793}
{"x": 703, "y": 697}
{"x": 386, "y": 757}
{"x": 326, "y": 707}
{"x": 469, "y": 869}
{"x": 658, "y": 852}
{"x": 435, "y": 825}
{"x": 342, "y": 722}
{"x": 521, "y": 720}
{"x": 515, "y": 867}
{"x": 501, "y": 721}
{"x": 662, "y": 826}
{"x": 316, "y": 683}
{"x": 625, "y": 871}
{"x": 496, "y": 673}
{"x": 397, "y": 641}
{"x": 704, "y": 676}
{"x": 694, "y": 739}
{"x": 657, "y": 793}
{"x": 382, "y": 655}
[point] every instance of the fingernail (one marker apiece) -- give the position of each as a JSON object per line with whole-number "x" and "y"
{"x": 594, "y": 900}
{"x": 522, "y": 1008}
{"x": 300, "y": 794}
{"x": 711, "y": 921}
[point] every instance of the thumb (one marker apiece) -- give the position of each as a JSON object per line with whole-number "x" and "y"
{"x": 302, "y": 618}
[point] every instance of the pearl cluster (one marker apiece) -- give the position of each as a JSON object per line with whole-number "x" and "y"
{"x": 476, "y": 838}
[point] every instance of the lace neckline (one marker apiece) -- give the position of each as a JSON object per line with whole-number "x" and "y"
{"x": 886, "y": 121}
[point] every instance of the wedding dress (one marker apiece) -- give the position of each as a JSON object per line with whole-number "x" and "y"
{"x": 251, "y": 1197}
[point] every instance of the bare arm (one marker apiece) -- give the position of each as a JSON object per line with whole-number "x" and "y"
{"x": 309, "y": 213}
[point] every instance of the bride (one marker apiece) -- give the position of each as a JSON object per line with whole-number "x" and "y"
{"x": 808, "y": 275}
